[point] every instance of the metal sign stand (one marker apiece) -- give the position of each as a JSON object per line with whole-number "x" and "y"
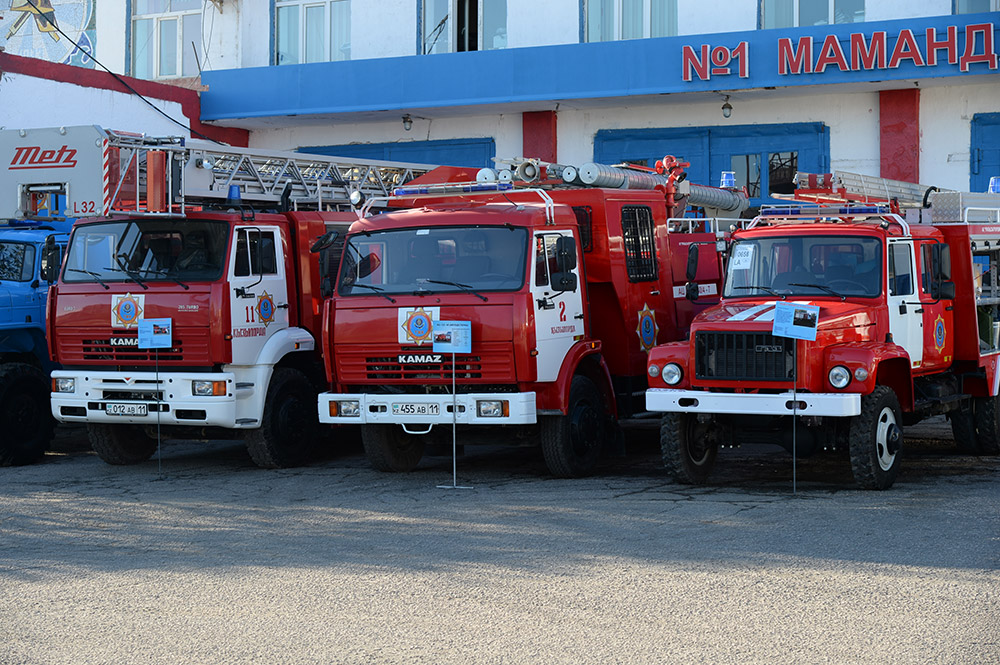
{"x": 795, "y": 407}
{"x": 456, "y": 337}
{"x": 156, "y": 334}
{"x": 454, "y": 435}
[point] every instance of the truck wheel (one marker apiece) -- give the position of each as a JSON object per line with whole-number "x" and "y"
{"x": 876, "y": 439}
{"x": 25, "y": 414}
{"x": 572, "y": 444}
{"x": 986, "y": 413}
{"x": 120, "y": 444}
{"x": 963, "y": 429}
{"x": 289, "y": 426}
{"x": 688, "y": 447}
{"x": 389, "y": 448}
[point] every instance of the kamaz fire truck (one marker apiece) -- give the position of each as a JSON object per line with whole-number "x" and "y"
{"x": 909, "y": 315}
{"x": 211, "y": 242}
{"x": 566, "y": 287}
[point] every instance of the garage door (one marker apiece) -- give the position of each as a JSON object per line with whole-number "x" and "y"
{"x": 985, "y": 157}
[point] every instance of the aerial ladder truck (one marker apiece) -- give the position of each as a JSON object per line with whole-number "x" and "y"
{"x": 213, "y": 244}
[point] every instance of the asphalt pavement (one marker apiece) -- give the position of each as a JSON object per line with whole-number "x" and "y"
{"x": 200, "y": 557}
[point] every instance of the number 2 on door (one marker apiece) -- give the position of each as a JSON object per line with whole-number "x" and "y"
{"x": 562, "y": 310}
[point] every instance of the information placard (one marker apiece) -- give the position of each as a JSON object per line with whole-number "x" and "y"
{"x": 452, "y": 336}
{"x": 795, "y": 320}
{"x": 155, "y": 334}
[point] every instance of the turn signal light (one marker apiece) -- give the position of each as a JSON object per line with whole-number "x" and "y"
{"x": 208, "y": 388}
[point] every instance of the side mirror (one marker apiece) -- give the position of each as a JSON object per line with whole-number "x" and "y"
{"x": 692, "y": 265}
{"x": 691, "y": 290}
{"x": 947, "y": 291}
{"x": 566, "y": 254}
{"x": 368, "y": 264}
{"x": 564, "y": 281}
{"x": 325, "y": 241}
{"x": 50, "y": 260}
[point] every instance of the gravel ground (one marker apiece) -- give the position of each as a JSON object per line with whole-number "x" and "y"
{"x": 203, "y": 558}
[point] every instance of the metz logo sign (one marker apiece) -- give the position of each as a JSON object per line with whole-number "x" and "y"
{"x": 34, "y": 157}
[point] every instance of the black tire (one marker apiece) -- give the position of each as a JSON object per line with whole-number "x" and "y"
{"x": 389, "y": 448}
{"x": 289, "y": 426}
{"x": 963, "y": 429}
{"x": 121, "y": 444}
{"x": 26, "y": 419}
{"x": 986, "y": 412}
{"x": 572, "y": 444}
{"x": 876, "y": 440}
{"x": 688, "y": 447}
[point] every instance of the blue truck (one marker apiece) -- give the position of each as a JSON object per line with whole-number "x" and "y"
{"x": 26, "y": 423}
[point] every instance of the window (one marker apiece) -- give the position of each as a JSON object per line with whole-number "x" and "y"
{"x": 778, "y": 179}
{"x": 640, "y": 248}
{"x": 584, "y": 219}
{"x": 609, "y": 20}
{"x": 463, "y": 25}
{"x": 797, "y": 13}
{"x": 166, "y": 38}
{"x": 259, "y": 257}
{"x": 900, "y": 270}
{"x": 17, "y": 261}
{"x": 976, "y": 6}
{"x": 312, "y": 31}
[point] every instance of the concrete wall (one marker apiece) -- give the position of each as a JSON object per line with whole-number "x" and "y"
{"x": 945, "y": 130}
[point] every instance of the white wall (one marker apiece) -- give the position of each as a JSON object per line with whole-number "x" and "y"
{"x": 946, "y": 130}
{"x": 58, "y": 104}
{"x": 383, "y": 28}
{"x": 542, "y": 23}
{"x": 110, "y": 50}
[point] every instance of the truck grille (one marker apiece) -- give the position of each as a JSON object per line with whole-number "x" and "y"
{"x": 190, "y": 347}
{"x": 743, "y": 356}
{"x": 493, "y": 363}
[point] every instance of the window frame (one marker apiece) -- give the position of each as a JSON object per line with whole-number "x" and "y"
{"x": 303, "y": 6}
{"x": 647, "y": 20}
{"x": 453, "y": 28}
{"x": 154, "y": 45}
{"x": 994, "y": 6}
{"x": 830, "y": 15}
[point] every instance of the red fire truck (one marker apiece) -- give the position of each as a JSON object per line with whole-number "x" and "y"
{"x": 909, "y": 311}
{"x": 210, "y": 242}
{"x": 566, "y": 287}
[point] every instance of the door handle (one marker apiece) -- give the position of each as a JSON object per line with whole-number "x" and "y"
{"x": 902, "y": 308}
{"x": 578, "y": 316}
{"x": 282, "y": 306}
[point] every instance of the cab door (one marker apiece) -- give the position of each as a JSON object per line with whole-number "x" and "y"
{"x": 935, "y": 271}
{"x": 906, "y": 318}
{"x": 558, "y": 313}
{"x": 258, "y": 290}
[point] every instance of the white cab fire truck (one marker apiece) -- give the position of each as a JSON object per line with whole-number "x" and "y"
{"x": 213, "y": 244}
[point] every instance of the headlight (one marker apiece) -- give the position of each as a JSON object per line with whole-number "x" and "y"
{"x": 349, "y": 408}
{"x": 208, "y": 388}
{"x": 840, "y": 376}
{"x": 653, "y": 371}
{"x": 64, "y": 385}
{"x": 672, "y": 374}
{"x": 492, "y": 408}
{"x": 861, "y": 374}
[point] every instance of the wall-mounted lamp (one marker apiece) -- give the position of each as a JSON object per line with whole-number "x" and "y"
{"x": 408, "y": 122}
{"x": 727, "y": 108}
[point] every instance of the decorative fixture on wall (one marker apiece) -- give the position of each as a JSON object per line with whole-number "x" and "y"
{"x": 407, "y": 122}
{"x": 727, "y": 108}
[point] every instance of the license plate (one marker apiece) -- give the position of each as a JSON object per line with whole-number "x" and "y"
{"x": 412, "y": 409}
{"x": 120, "y": 409}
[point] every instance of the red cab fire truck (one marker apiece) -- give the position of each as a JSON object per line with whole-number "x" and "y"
{"x": 909, "y": 315}
{"x": 566, "y": 287}
{"x": 211, "y": 242}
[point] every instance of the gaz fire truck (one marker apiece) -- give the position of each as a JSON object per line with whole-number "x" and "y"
{"x": 566, "y": 280}
{"x": 909, "y": 315}
{"x": 212, "y": 244}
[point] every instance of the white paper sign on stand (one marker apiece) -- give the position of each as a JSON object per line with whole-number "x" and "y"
{"x": 795, "y": 321}
{"x": 452, "y": 337}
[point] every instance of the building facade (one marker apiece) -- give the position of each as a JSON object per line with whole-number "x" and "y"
{"x": 903, "y": 89}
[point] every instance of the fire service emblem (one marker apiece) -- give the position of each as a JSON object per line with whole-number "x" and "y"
{"x": 416, "y": 324}
{"x": 126, "y": 310}
{"x": 265, "y": 308}
{"x": 939, "y": 333}
{"x": 647, "y": 328}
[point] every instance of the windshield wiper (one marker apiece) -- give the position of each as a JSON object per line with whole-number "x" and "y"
{"x": 824, "y": 288}
{"x": 763, "y": 288}
{"x": 464, "y": 287}
{"x": 376, "y": 289}
{"x": 163, "y": 273}
{"x": 128, "y": 273}
{"x": 96, "y": 276}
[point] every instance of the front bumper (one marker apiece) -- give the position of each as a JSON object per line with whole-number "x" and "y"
{"x": 378, "y": 409}
{"x": 176, "y": 405}
{"x": 701, "y": 401}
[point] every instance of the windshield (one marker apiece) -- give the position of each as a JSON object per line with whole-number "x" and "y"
{"x": 17, "y": 261}
{"x": 454, "y": 258}
{"x": 147, "y": 249}
{"x": 805, "y": 266}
